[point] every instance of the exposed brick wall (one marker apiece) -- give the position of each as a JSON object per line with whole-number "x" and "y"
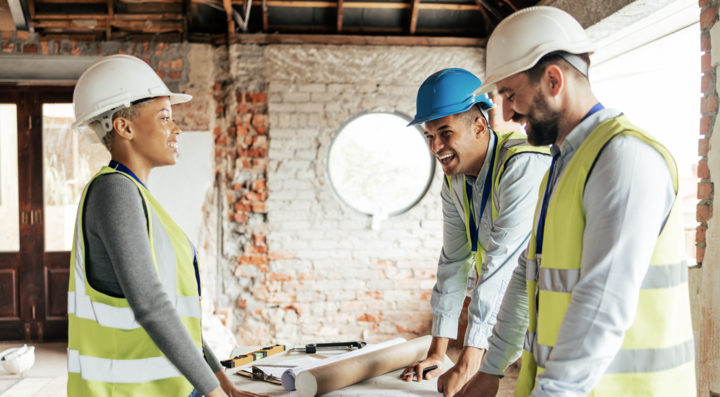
{"x": 330, "y": 276}
{"x": 705, "y": 277}
{"x": 708, "y": 109}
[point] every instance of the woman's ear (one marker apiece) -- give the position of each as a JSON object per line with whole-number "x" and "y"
{"x": 123, "y": 128}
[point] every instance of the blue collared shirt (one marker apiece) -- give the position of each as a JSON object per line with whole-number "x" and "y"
{"x": 503, "y": 239}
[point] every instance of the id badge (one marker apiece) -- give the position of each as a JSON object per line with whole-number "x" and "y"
{"x": 472, "y": 279}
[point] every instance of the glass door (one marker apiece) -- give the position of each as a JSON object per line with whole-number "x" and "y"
{"x": 12, "y": 265}
{"x": 68, "y": 164}
{"x": 44, "y": 167}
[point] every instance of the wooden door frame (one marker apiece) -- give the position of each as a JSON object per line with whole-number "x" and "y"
{"x": 33, "y": 263}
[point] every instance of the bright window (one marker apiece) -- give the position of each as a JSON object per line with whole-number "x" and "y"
{"x": 378, "y": 166}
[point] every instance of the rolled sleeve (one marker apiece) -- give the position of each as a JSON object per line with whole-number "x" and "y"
{"x": 518, "y": 193}
{"x": 505, "y": 345}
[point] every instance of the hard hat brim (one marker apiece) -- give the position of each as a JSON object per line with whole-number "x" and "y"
{"x": 438, "y": 115}
{"x": 528, "y": 63}
{"x": 174, "y": 100}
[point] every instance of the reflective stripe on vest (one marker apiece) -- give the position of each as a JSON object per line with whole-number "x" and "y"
{"x": 109, "y": 353}
{"x": 123, "y": 317}
{"x": 121, "y": 371}
{"x": 507, "y": 145}
{"x": 657, "y": 353}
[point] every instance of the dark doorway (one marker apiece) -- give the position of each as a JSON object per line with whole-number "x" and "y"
{"x": 42, "y": 174}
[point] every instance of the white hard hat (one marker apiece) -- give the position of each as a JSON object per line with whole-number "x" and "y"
{"x": 111, "y": 84}
{"x": 18, "y": 360}
{"x": 523, "y": 38}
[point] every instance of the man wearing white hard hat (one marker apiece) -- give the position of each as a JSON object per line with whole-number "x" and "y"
{"x": 599, "y": 304}
{"x": 134, "y": 295}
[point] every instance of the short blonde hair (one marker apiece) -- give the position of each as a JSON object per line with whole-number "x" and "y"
{"x": 130, "y": 113}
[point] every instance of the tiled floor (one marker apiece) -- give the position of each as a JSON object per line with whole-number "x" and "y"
{"x": 47, "y": 378}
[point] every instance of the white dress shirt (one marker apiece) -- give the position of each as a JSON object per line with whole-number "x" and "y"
{"x": 627, "y": 199}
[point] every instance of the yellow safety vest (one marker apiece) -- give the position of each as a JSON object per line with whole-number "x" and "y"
{"x": 109, "y": 353}
{"x": 507, "y": 145}
{"x": 657, "y": 354}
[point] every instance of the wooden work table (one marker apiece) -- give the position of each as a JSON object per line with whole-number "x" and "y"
{"x": 389, "y": 381}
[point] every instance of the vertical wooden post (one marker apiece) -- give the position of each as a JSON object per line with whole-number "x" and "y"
{"x": 230, "y": 21}
{"x": 414, "y": 15}
{"x": 339, "y": 15}
{"x": 265, "y": 16}
{"x": 108, "y": 24}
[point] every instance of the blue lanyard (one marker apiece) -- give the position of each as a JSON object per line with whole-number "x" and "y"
{"x": 117, "y": 166}
{"x": 549, "y": 189}
{"x": 486, "y": 193}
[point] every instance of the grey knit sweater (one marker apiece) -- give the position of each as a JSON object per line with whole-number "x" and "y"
{"x": 119, "y": 263}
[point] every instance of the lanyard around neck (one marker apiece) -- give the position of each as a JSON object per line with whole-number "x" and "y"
{"x": 486, "y": 193}
{"x": 549, "y": 188}
{"x": 117, "y": 166}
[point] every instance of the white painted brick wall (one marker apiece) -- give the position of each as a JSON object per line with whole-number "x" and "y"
{"x": 345, "y": 281}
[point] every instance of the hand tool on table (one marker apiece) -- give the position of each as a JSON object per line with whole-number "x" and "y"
{"x": 425, "y": 371}
{"x": 314, "y": 347}
{"x": 252, "y": 356}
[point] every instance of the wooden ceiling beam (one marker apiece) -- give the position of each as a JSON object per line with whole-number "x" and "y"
{"x": 258, "y": 38}
{"x": 488, "y": 5}
{"x": 119, "y": 17}
{"x": 101, "y": 24}
{"x": 415, "y": 8}
{"x": 227, "y": 4}
{"x": 304, "y": 4}
{"x": 340, "y": 7}
{"x": 305, "y": 29}
{"x": 376, "y": 5}
{"x": 144, "y": 26}
{"x": 265, "y": 15}
{"x": 509, "y": 3}
{"x": 111, "y": 11}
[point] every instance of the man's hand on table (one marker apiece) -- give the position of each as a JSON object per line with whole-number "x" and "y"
{"x": 228, "y": 389}
{"x": 450, "y": 383}
{"x": 418, "y": 368}
{"x": 481, "y": 385}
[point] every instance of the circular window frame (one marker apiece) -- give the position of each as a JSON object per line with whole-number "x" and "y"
{"x": 403, "y": 116}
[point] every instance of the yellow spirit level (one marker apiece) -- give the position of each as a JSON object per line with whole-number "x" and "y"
{"x": 252, "y": 356}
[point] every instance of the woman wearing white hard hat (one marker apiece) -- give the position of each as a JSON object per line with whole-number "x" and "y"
{"x": 600, "y": 306}
{"x": 134, "y": 294}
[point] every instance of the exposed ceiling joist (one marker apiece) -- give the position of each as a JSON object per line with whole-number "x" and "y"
{"x": 261, "y": 38}
{"x": 372, "y": 5}
{"x": 415, "y": 8}
{"x": 340, "y": 6}
{"x": 492, "y": 8}
{"x": 265, "y": 15}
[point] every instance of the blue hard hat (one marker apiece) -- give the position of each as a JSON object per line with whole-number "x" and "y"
{"x": 447, "y": 92}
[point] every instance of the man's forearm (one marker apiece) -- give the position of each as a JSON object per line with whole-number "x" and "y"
{"x": 512, "y": 323}
{"x": 438, "y": 347}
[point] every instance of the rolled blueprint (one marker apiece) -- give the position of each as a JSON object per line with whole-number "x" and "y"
{"x": 328, "y": 378}
{"x": 288, "y": 378}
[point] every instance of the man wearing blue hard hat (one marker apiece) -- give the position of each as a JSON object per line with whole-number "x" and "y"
{"x": 489, "y": 195}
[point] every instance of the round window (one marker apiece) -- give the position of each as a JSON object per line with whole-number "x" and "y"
{"x": 378, "y": 166}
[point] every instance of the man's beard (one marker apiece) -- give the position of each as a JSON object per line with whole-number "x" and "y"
{"x": 542, "y": 123}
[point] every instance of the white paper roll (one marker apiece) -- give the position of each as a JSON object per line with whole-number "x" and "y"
{"x": 288, "y": 378}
